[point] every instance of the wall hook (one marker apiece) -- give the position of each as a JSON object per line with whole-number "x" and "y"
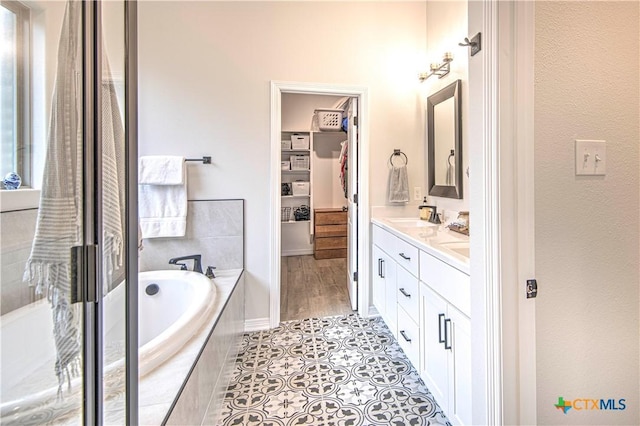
{"x": 475, "y": 43}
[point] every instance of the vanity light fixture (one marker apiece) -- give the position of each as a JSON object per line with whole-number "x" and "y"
{"x": 438, "y": 69}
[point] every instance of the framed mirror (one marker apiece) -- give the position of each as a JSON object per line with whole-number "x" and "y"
{"x": 444, "y": 142}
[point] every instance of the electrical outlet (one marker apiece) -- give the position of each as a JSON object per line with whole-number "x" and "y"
{"x": 416, "y": 193}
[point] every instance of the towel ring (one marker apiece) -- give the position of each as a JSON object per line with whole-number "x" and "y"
{"x": 397, "y": 152}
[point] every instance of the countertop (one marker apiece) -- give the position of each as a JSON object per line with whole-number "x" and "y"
{"x": 436, "y": 240}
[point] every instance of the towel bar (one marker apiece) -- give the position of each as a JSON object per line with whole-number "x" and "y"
{"x": 205, "y": 160}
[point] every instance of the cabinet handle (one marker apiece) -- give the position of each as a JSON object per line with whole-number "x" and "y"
{"x": 440, "y": 339}
{"x": 404, "y": 256}
{"x": 381, "y": 268}
{"x": 404, "y": 335}
{"x": 447, "y": 344}
{"x": 405, "y": 293}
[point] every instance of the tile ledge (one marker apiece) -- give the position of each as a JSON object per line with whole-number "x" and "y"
{"x": 19, "y": 199}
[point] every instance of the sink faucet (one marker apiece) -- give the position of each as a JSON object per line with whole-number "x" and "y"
{"x": 197, "y": 262}
{"x": 433, "y": 218}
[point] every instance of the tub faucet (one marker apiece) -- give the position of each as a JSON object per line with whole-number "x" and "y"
{"x": 197, "y": 262}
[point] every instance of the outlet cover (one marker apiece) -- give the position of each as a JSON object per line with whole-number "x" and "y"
{"x": 416, "y": 193}
{"x": 591, "y": 157}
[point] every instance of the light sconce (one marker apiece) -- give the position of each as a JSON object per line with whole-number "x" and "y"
{"x": 438, "y": 69}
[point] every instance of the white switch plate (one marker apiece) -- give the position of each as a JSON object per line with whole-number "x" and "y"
{"x": 591, "y": 157}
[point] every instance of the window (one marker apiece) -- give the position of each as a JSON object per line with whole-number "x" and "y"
{"x": 15, "y": 96}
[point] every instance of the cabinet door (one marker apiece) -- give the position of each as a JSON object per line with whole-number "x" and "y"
{"x": 378, "y": 290}
{"x": 435, "y": 359}
{"x": 460, "y": 365}
{"x": 389, "y": 268}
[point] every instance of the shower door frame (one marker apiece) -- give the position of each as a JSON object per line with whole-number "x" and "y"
{"x": 93, "y": 407}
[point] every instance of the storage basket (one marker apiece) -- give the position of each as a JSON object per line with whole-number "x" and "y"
{"x": 300, "y": 188}
{"x": 299, "y": 141}
{"x": 285, "y": 145}
{"x": 285, "y": 165}
{"x": 285, "y": 213}
{"x": 329, "y": 119}
{"x": 299, "y": 162}
{"x": 302, "y": 213}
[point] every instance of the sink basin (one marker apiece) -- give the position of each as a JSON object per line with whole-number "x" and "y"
{"x": 410, "y": 223}
{"x": 459, "y": 247}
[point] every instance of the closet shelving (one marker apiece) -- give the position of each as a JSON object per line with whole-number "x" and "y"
{"x": 290, "y": 176}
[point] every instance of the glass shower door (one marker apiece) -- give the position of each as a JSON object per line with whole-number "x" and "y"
{"x": 66, "y": 356}
{"x": 43, "y": 320}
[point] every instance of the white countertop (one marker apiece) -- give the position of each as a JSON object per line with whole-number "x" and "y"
{"x": 436, "y": 240}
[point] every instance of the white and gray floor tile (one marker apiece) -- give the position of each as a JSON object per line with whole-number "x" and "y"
{"x": 342, "y": 370}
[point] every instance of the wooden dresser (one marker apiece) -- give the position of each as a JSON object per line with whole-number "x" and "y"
{"x": 330, "y": 230}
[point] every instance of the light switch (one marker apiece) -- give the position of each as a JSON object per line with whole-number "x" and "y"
{"x": 591, "y": 157}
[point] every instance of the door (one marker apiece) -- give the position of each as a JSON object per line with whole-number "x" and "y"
{"x": 73, "y": 242}
{"x": 435, "y": 358}
{"x": 352, "y": 202}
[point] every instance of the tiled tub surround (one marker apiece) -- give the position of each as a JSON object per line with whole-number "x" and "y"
{"x": 165, "y": 397}
{"x": 215, "y": 229}
{"x": 321, "y": 371}
{"x": 210, "y": 345}
{"x": 17, "y": 229}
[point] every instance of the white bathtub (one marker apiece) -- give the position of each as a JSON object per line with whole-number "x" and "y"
{"x": 167, "y": 320}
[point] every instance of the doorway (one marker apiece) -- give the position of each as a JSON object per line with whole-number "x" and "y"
{"x": 315, "y": 263}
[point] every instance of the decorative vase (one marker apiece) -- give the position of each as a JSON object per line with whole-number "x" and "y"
{"x": 12, "y": 181}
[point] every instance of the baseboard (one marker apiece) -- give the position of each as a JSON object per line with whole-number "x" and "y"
{"x": 298, "y": 252}
{"x": 373, "y": 312}
{"x": 257, "y": 324}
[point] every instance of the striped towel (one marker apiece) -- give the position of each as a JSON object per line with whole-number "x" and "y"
{"x": 60, "y": 214}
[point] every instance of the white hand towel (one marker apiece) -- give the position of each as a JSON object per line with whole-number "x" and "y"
{"x": 161, "y": 170}
{"x": 398, "y": 190}
{"x": 163, "y": 208}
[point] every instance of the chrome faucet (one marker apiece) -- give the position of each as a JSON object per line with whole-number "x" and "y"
{"x": 197, "y": 262}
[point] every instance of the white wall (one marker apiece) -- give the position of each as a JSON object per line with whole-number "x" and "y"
{"x": 587, "y": 228}
{"x": 205, "y": 69}
{"x": 446, "y": 27}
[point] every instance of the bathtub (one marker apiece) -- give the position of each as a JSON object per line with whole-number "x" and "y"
{"x": 167, "y": 320}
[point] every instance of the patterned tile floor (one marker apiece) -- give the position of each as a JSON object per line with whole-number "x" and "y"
{"x": 342, "y": 370}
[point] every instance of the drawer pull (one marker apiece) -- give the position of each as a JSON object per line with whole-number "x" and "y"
{"x": 404, "y": 293}
{"x": 447, "y": 344}
{"x": 440, "y": 339}
{"x": 404, "y": 256}
{"x": 404, "y": 335}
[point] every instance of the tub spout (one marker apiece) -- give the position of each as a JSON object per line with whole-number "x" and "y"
{"x": 197, "y": 262}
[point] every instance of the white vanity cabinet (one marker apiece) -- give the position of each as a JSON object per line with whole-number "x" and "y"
{"x": 446, "y": 336}
{"x": 395, "y": 289}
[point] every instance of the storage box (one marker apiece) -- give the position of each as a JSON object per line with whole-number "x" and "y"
{"x": 299, "y": 162}
{"x": 300, "y": 188}
{"x": 285, "y": 145}
{"x": 299, "y": 141}
{"x": 285, "y": 165}
{"x": 329, "y": 119}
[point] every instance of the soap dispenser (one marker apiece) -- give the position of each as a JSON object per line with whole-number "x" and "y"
{"x": 425, "y": 210}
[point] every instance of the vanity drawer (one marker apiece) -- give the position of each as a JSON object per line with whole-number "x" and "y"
{"x": 409, "y": 337}
{"x": 407, "y": 287}
{"x": 384, "y": 239}
{"x": 406, "y": 255}
{"x": 450, "y": 283}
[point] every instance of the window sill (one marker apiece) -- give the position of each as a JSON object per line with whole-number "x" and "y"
{"x": 19, "y": 199}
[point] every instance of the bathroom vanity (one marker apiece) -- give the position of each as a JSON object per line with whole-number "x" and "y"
{"x": 421, "y": 289}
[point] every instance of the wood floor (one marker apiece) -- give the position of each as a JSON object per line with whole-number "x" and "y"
{"x": 313, "y": 288}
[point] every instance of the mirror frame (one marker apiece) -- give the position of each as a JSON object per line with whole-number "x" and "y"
{"x": 451, "y": 91}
